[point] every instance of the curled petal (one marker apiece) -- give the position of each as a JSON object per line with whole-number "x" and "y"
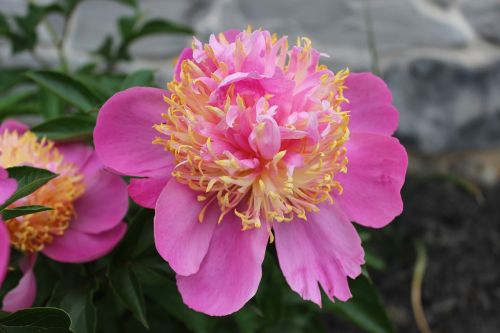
{"x": 23, "y": 295}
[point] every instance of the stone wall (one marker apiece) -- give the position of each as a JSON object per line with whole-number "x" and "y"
{"x": 440, "y": 57}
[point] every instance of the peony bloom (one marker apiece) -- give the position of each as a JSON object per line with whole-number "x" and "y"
{"x": 88, "y": 207}
{"x": 254, "y": 143}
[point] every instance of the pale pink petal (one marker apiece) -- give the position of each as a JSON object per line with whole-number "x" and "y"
{"x": 179, "y": 236}
{"x": 79, "y": 247}
{"x": 4, "y": 251}
{"x": 370, "y": 103}
{"x": 13, "y": 125}
{"x": 124, "y": 132}
{"x": 103, "y": 204}
{"x": 186, "y": 54}
{"x": 231, "y": 271}
{"x": 265, "y": 138}
{"x": 76, "y": 153}
{"x": 375, "y": 174}
{"x": 145, "y": 191}
{"x": 23, "y": 295}
{"x": 325, "y": 249}
{"x": 7, "y": 186}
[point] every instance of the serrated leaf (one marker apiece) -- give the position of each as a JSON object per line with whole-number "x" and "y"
{"x": 66, "y": 128}
{"x": 67, "y": 88}
{"x": 23, "y": 210}
{"x": 364, "y": 309}
{"x": 141, "y": 78}
{"x": 40, "y": 320}
{"x": 28, "y": 179}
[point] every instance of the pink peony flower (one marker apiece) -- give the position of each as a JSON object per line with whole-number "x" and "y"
{"x": 88, "y": 207}
{"x": 253, "y": 142}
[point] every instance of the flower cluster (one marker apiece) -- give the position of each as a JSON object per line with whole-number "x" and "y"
{"x": 252, "y": 143}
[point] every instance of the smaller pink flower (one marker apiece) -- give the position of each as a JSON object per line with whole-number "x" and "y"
{"x": 88, "y": 204}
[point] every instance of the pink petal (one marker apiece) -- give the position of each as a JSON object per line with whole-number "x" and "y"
{"x": 370, "y": 102}
{"x": 179, "y": 236}
{"x": 230, "y": 273}
{"x": 103, "y": 204}
{"x": 7, "y": 186}
{"x": 186, "y": 54}
{"x": 124, "y": 132}
{"x": 4, "y": 251}
{"x": 265, "y": 138}
{"x": 23, "y": 295}
{"x": 325, "y": 249}
{"x": 78, "y": 247}
{"x": 76, "y": 153}
{"x": 145, "y": 191}
{"x": 13, "y": 125}
{"x": 375, "y": 174}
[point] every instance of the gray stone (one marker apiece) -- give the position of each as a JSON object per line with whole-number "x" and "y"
{"x": 336, "y": 27}
{"x": 444, "y": 4}
{"x": 401, "y": 25}
{"x": 484, "y": 15}
{"x": 445, "y": 106}
{"x": 93, "y": 21}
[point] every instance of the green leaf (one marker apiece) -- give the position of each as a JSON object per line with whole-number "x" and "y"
{"x": 39, "y": 320}
{"x": 23, "y": 210}
{"x": 122, "y": 278}
{"x": 66, "y": 128}
{"x": 28, "y": 179}
{"x": 129, "y": 290}
{"x": 163, "y": 291}
{"x": 159, "y": 26}
{"x": 23, "y": 102}
{"x": 142, "y": 78}
{"x": 364, "y": 309}
{"x": 374, "y": 261}
{"x": 50, "y": 104}
{"x": 11, "y": 77}
{"x": 131, "y": 3}
{"x": 138, "y": 238}
{"x": 74, "y": 294}
{"x": 67, "y": 88}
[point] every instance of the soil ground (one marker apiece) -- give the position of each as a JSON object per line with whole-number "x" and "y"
{"x": 461, "y": 233}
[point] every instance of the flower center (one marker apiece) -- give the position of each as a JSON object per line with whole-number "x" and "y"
{"x": 257, "y": 128}
{"x": 32, "y": 232}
